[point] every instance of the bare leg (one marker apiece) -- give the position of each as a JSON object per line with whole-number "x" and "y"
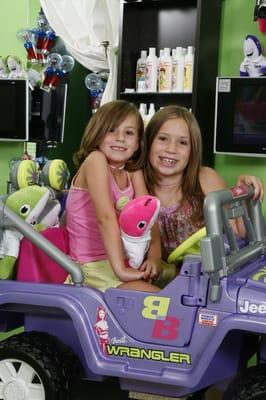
{"x": 140, "y": 285}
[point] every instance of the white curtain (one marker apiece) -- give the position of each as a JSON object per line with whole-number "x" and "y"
{"x": 83, "y": 25}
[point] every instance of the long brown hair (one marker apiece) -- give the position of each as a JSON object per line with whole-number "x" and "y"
{"x": 106, "y": 118}
{"x": 191, "y": 188}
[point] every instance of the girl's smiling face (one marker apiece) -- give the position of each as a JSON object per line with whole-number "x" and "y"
{"x": 122, "y": 142}
{"x": 170, "y": 150}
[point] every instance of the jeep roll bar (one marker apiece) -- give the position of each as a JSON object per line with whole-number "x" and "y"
{"x": 10, "y": 220}
{"x": 219, "y": 207}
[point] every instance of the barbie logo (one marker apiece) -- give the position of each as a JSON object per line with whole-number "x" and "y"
{"x": 116, "y": 340}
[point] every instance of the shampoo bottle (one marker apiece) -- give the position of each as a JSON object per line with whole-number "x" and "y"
{"x": 165, "y": 73}
{"x": 151, "y": 77}
{"x": 188, "y": 69}
{"x": 178, "y": 83}
{"x": 141, "y": 72}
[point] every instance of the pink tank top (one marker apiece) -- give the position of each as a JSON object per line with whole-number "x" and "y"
{"x": 85, "y": 242}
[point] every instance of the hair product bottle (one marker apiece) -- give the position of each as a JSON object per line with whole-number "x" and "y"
{"x": 188, "y": 69}
{"x": 151, "y": 77}
{"x": 178, "y": 70}
{"x": 141, "y": 72}
{"x": 165, "y": 72}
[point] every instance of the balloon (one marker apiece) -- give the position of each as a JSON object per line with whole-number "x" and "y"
{"x": 68, "y": 63}
{"x": 54, "y": 60}
{"x": 25, "y": 35}
{"x": 93, "y": 82}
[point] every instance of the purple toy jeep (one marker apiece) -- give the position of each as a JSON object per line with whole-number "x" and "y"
{"x": 199, "y": 331}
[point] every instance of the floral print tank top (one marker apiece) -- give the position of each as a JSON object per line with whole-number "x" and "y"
{"x": 175, "y": 226}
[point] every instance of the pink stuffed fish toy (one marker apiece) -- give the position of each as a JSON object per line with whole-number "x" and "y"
{"x": 136, "y": 220}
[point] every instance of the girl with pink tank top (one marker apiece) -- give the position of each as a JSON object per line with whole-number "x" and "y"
{"x": 109, "y": 174}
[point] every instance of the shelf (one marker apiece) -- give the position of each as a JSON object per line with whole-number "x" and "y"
{"x": 171, "y": 23}
{"x": 140, "y": 94}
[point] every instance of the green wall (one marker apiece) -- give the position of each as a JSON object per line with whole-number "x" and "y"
{"x": 16, "y": 14}
{"x": 13, "y": 16}
{"x": 237, "y": 22}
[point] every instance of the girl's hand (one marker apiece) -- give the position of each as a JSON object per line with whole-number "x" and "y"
{"x": 129, "y": 274}
{"x": 151, "y": 268}
{"x": 255, "y": 182}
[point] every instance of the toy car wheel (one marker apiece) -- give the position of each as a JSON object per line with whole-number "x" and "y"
{"x": 249, "y": 385}
{"x": 31, "y": 369}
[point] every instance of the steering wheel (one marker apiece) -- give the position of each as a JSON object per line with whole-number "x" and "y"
{"x": 190, "y": 246}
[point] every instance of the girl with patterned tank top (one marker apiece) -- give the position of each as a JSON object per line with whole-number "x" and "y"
{"x": 109, "y": 174}
{"x": 173, "y": 173}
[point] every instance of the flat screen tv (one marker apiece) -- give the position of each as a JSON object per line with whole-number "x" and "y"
{"x": 47, "y": 114}
{"x": 240, "y": 116}
{"x": 14, "y": 110}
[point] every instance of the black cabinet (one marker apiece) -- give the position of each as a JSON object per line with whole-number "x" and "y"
{"x": 171, "y": 23}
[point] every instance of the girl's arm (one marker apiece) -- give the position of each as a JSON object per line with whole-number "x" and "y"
{"x": 210, "y": 180}
{"x": 138, "y": 183}
{"x": 96, "y": 173}
{"x": 255, "y": 182}
{"x": 151, "y": 265}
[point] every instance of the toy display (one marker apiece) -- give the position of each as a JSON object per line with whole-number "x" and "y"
{"x": 15, "y": 68}
{"x": 48, "y": 67}
{"x": 136, "y": 220}
{"x": 254, "y": 63}
{"x": 199, "y": 331}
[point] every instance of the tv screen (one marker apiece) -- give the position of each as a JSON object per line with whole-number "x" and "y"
{"x": 14, "y": 110}
{"x": 240, "y": 116}
{"x": 250, "y": 115}
{"x": 47, "y": 114}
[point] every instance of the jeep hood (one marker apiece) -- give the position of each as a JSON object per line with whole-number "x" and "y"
{"x": 252, "y": 295}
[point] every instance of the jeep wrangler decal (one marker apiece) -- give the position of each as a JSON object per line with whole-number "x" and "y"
{"x": 148, "y": 354}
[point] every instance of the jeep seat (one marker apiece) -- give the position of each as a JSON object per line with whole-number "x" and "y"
{"x": 36, "y": 266}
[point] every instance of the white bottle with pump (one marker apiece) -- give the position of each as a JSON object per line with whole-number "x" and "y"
{"x": 165, "y": 73}
{"x": 151, "y": 77}
{"x": 188, "y": 69}
{"x": 141, "y": 72}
